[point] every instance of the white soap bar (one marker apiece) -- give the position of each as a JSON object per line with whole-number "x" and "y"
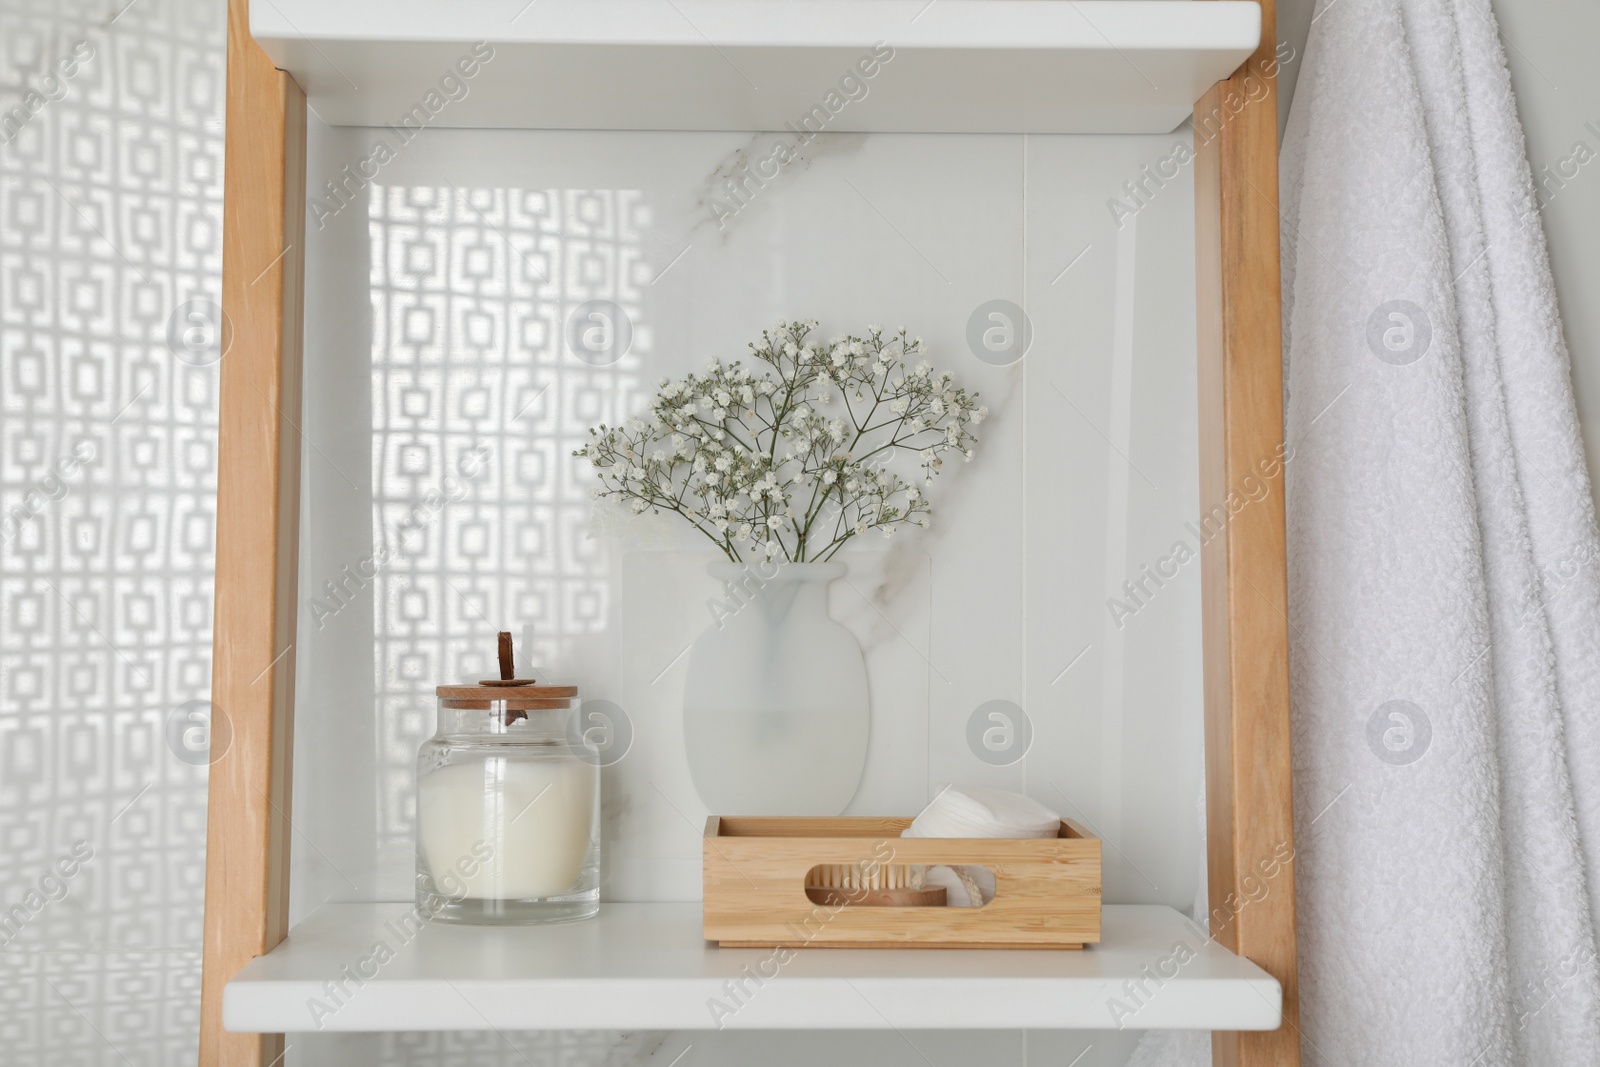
{"x": 535, "y": 817}
{"x": 958, "y": 812}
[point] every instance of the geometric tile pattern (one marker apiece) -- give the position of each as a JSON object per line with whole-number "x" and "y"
{"x": 108, "y": 1008}
{"x": 110, "y": 220}
{"x": 477, "y": 406}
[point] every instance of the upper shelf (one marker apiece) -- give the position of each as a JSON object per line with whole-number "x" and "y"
{"x": 647, "y": 967}
{"x": 911, "y": 66}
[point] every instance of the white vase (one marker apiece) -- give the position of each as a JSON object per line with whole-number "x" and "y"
{"x": 775, "y": 707}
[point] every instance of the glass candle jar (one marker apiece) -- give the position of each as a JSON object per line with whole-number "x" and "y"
{"x": 508, "y": 809}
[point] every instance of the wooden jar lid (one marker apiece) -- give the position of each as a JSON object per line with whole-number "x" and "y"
{"x": 520, "y": 697}
{"x": 512, "y": 693}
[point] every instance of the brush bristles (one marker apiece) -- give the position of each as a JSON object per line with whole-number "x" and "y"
{"x": 860, "y": 876}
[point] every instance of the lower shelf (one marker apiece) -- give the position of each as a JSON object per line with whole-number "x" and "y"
{"x": 362, "y": 967}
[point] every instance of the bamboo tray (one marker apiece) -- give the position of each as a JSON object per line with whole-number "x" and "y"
{"x": 1047, "y": 890}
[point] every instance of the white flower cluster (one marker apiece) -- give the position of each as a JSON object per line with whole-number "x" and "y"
{"x": 792, "y": 461}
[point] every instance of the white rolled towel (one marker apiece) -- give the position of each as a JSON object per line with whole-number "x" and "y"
{"x": 958, "y": 812}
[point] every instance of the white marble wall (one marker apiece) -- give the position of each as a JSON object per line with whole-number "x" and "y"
{"x": 438, "y": 299}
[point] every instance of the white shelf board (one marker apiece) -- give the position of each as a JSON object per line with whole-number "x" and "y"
{"x": 646, "y": 966}
{"x": 958, "y": 66}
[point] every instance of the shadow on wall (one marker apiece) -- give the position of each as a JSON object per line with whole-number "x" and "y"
{"x": 477, "y": 507}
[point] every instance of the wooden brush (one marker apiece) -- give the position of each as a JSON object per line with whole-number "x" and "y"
{"x": 895, "y": 885}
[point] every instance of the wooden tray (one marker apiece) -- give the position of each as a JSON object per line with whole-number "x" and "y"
{"x": 1047, "y": 890}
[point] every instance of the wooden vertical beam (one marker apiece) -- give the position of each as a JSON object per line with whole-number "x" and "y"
{"x": 1249, "y": 791}
{"x": 258, "y": 515}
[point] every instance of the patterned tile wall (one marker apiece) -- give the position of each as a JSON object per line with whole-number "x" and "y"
{"x": 110, "y": 237}
{"x": 475, "y": 410}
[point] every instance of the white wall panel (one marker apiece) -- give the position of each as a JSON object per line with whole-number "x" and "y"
{"x": 473, "y": 247}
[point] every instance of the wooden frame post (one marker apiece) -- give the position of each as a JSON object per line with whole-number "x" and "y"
{"x": 258, "y": 517}
{"x": 1249, "y": 787}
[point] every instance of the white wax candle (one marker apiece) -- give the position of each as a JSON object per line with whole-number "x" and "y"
{"x": 535, "y": 817}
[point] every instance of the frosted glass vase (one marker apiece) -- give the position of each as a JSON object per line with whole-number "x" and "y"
{"x": 775, "y": 707}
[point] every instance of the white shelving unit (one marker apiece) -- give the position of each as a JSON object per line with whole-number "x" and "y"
{"x": 645, "y": 966}
{"x": 951, "y": 66}
{"x": 957, "y": 66}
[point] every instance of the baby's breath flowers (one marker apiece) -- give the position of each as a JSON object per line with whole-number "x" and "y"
{"x": 792, "y": 460}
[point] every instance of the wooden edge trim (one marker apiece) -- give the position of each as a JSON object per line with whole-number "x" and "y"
{"x": 258, "y": 515}
{"x": 1249, "y": 787}
{"x": 491, "y": 692}
{"x": 1078, "y": 830}
{"x": 790, "y": 827}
